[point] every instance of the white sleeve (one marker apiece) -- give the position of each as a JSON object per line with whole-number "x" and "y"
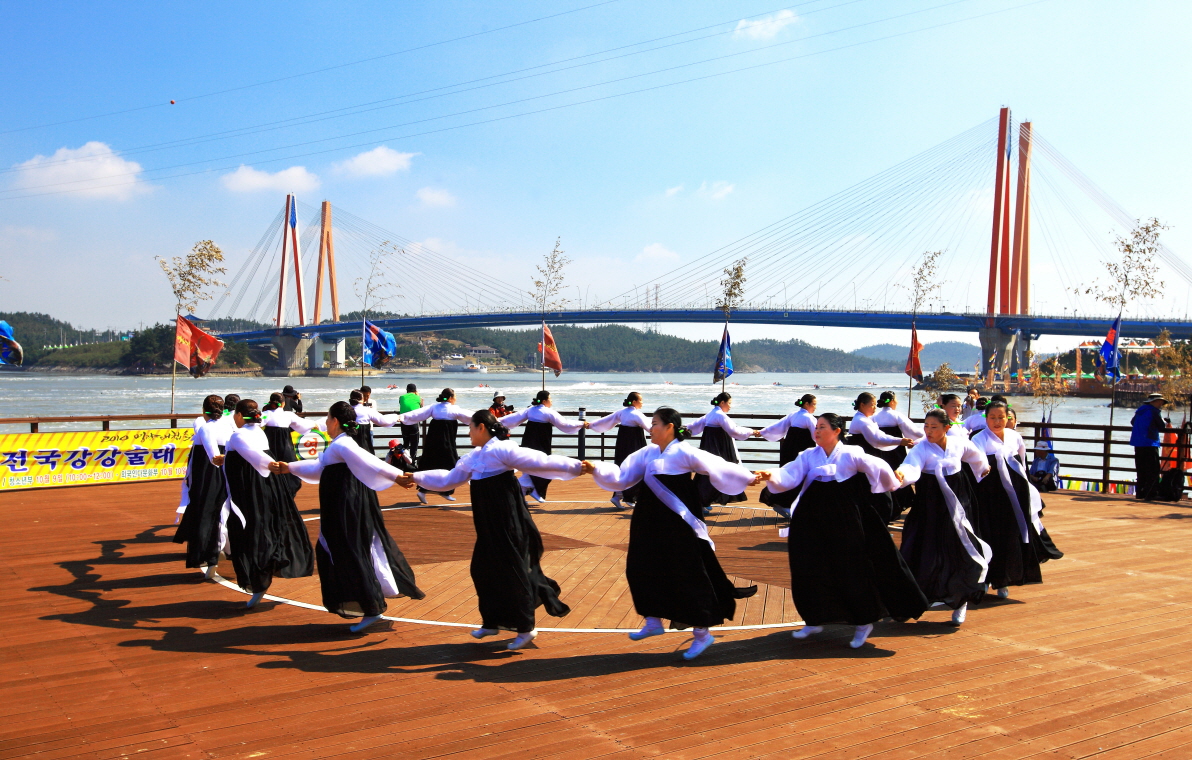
{"x": 443, "y": 480}
{"x": 610, "y": 477}
{"x": 259, "y": 460}
{"x": 604, "y": 424}
{"x": 697, "y": 427}
{"x": 877, "y": 471}
{"x": 513, "y": 420}
{"x": 368, "y": 469}
{"x": 383, "y": 420}
{"x": 416, "y": 416}
{"x": 778, "y": 430}
{"x": 872, "y": 432}
{"x": 460, "y": 415}
{"x": 910, "y": 429}
{"x": 734, "y": 430}
{"x": 912, "y": 467}
{"x": 210, "y": 448}
{"x": 1021, "y": 449}
{"x": 563, "y": 425}
{"x": 308, "y": 470}
{"x": 975, "y": 458}
{"x": 640, "y": 419}
{"x": 727, "y": 477}
{"x": 532, "y": 462}
{"x": 301, "y": 425}
{"x": 789, "y": 475}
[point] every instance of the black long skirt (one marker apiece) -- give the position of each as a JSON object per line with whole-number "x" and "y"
{"x": 199, "y": 526}
{"x": 439, "y": 451}
{"x": 538, "y": 436}
{"x": 715, "y": 441}
{"x": 271, "y": 541}
{"x": 932, "y": 548}
{"x": 505, "y": 566}
{"x": 629, "y": 439}
{"x": 882, "y": 503}
{"x": 1014, "y": 562}
{"x": 281, "y": 448}
{"x": 844, "y": 565}
{"x": 795, "y": 442}
{"x": 904, "y": 498}
{"x": 363, "y": 436}
{"x": 350, "y": 519}
{"x": 673, "y": 574}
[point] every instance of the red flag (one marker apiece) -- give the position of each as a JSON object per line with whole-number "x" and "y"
{"x": 549, "y": 351}
{"x": 913, "y": 368}
{"x": 195, "y": 349}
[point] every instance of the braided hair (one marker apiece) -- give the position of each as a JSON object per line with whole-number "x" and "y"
{"x": 539, "y": 397}
{"x": 230, "y": 402}
{"x": 487, "y": 420}
{"x": 668, "y": 416}
{"x": 275, "y": 401}
{"x": 721, "y": 398}
{"x": 806, "y": 400}
{"x": 631, "y": 398}
{"x": 884, "y": 400}
{"x": 247, "y": 408}
{"x": 355, "y": 398}
{"x": 864, "y": 398}
{"x": 343, "y": 413}
{"x": 213, "y": 407}
{"x": 446, "y": 395}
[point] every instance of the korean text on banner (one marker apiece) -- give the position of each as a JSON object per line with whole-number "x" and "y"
{"x": 46, "y": 460}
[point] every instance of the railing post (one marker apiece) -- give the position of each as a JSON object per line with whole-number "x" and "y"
{"x": 32, "y": 427}
{"x": 1105, "y": 454}
{"x": 107, "y": 425}
{"x": 581, "y": 433}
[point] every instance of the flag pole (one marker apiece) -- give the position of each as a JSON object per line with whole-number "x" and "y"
{"x": 173, "y": 364}
{"x": 723, "y": 376}
{"x": 363, "y": 341}
{"x": 542, "y": 346}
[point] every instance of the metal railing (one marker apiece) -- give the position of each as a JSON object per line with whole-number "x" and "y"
{"x": 1093, "y": 453}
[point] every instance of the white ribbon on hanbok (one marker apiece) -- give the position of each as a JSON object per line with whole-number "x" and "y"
{"x": 981, "y": 553}
{"x": 676, "y": 505}
{"x": 825, "y": 471}
{"x": 1003, "y": 473}
{"x": 1036, "y": 500}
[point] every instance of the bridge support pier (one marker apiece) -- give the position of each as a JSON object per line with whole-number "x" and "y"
{"x": 997, "y": 348}
{"x": 292, "y": 355}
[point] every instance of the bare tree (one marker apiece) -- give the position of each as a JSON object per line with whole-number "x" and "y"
{"x": 1048, "y": 392}
{"x": 549, "y": 282}
{"x": 732, "y": 287}
{"x": 943, "y": 379}
{"x": 192, "y": 275}
{"x": 1173, "y": 361}
{"x": 374, "y": 289}
{"x": 1136, "y": 275}
{"x": 925, "y": 286}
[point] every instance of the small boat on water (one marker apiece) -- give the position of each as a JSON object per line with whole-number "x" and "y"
{"x": 469, "y": 367}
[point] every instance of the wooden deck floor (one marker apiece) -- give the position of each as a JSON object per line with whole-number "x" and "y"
{"x": 111, "y": 648}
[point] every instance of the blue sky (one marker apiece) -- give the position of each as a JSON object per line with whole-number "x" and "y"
{"x": 633, "y": 184}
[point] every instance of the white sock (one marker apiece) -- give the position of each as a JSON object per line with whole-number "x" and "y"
{"x": 1003, "y": 593}
{"x": 860, "y": 635}
{"x": 653, "y": 627}
{"x": 210, "y": 574}
{"x": 252, "y": 601}
{"x": 480, "y": 633}
{"x": 703, "y": 640}
{"x": 959, "y": 613}
{"x": 365, "y": 623}
{"x": 807, "y": 630}
{"x": 522, "y": 639}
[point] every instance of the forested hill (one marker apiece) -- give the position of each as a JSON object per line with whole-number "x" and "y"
{"x": 960, "y": 356}
{"x": 35, "y": 331}
{"x": 616, "y": 348}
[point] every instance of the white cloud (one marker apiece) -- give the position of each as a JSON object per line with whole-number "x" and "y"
{"x": 378, "y": 162}
{"x": 14, "y": 232}
{"x": 93, "y": 170}
{"x": 764, "y": 28}
{"x": 673, "y": 191}
{"x": 434, "y": 198}
{"x": 246, "y": 179}
{"x": 656, "y": 252}
{"x": 716, "y": 191}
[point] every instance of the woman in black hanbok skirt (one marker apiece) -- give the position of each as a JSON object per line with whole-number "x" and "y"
{"x": 631, "y": 435}
{"x": 1011, "y": 507}
{"x": 865, "y": 433}
{"x": 717, "y": 432}
{"x": 541, "y": 421}
{"x": 439, "y": 450}
{"x": 359, "y": 563}
{"x": 897, "y": 425}
{"x": 266, "y": 535}
{"x": 278, "y": 424}
{"x": 844, "y": 565}
{"x": 671, "y": 564}
{"x": 505, "y": 568}
{"x": 200, "y": 526}
{"x": 939, "y": 542}
{"x": 794, "y": 433}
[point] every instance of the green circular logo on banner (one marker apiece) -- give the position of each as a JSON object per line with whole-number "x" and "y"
{"x": 310, "y": 445}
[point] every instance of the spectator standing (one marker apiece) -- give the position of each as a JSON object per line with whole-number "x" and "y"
{"x": 408, "y": 402}
{"x": 498, "y": 408}
{"x": 1147, "y": 425}
{"x": 292, "y": 399}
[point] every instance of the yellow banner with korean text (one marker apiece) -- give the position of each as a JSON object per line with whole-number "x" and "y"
{"x": 47, "y": 460}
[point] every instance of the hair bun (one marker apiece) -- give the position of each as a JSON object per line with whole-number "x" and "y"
{"x": 714, "y": 402}
{"x": 501, "y": 433}
{"x": 626, "y": 402}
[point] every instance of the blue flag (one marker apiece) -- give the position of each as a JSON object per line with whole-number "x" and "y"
{"x": 1109, "y": 349}
{"x": 379, "y": 346}
{"x": 10, "y": 351}
{"x": 724, "y": 360}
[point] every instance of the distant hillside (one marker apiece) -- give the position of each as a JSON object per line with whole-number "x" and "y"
{"x": 960, "y": 356}
{"x": 35, "y": 331}
{"x": 617, "y": 348}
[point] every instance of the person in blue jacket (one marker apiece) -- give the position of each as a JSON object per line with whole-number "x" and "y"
{"x": 1147, "y": 426}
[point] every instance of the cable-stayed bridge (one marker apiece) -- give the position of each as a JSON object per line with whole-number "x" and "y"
{"x": 1022, "y": 231}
